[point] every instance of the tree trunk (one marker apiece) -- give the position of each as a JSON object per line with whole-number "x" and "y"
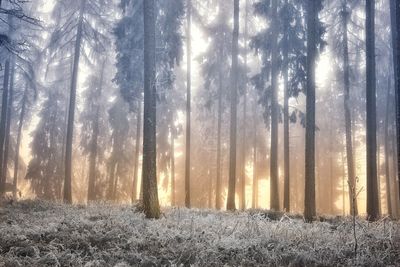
{"x": 243, "y": 171}
{"x": 19, "y": 136}
{"x": 219, "y": 126}
{"x": 255, "y": 178}
{"x": 188, "y": 99}
{"x": 93, "y": 145}
{"x": 309, "y": 197}
{"x": 8, "y": 122}
{"x": 71, "y": 111}
{"x": 173, "y": 167}
{"x": 230, "y": 205}
{"x": 149, "y": 169}
{"x": 286, "y": 155}
{"x": 137, "y": 150}
{"x": 349, "y": 146}
{"x": 372, "y": 180}
{"x": 274, "y": 189}
{"x": 387, "y": 171}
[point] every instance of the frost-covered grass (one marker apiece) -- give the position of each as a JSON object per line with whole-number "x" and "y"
{"x": 36, "y": 233}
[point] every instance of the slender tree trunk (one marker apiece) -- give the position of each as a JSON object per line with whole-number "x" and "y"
{"x": 309, "y": 197}
{"x": 149, "y": 169}
{"x": 173, "y": 167}
{"x": 243, "y": 171}
{"x": 230, "y": 205}
{"x": 349, "y": 146}
{"x": 387, "y": 171}
{"x": 219, "y": 126}
{"x": 111, "y": 177}
{"x": 71, "y": 111}
{"x": 274, "y": 188}
{"x": 188, "y": 100}
{"x": 3, "y": 121}
{"x": 93, "y": 145}
{"x": 137, "y": 150}
{"x": 255, "y": 179}
{"x": 286, "y": 155}
{"x": 8, "y": 122}
{"x": 372, "y": 180}
{"x": 19, "y": 136}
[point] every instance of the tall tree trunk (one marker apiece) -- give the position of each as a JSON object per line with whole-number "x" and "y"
{"x": 93, "y": 145}
{"x": 149, "y": 169}
{"x": 286, "y": 155}
{"x": 309, "y": 197}
{"x": 274, "y": 188}
{"x": 347, "y": 113}
{"x": 71, "y": 111}
{"x": 219, "y": 126}
{"x": 230, "y": 205}
{"x": 387, "y": 171}
{"x": 19, "y": 136}
{"x": 255, "y": 178}
{"x": 8, "y": 122}
{"x": 137, "y": 150}
{"x": 372, "y": 180}
{"x": 243, "y": 171}
{"x": 173, "y": 167}
{"x": 188, "y": 99}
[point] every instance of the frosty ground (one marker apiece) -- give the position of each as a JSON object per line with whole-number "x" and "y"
{"x": 36, "y": 233}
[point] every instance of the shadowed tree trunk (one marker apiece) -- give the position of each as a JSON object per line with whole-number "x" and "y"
{"x": 309, "y": 197}
{"x": 93, "y": 145}
{"x": 347, "y": 113}
{"x": 230, "y": 205}
{"x": 188, "y": 99}
{"x": 218, "y": 179}
{"x": 19, "y": 136}
{"x": 372, "y": 180}
{"x": 149, "y": 169}
{"x": 255, "y": 179}
{"x": 8, "y": 122}
{"x": 274, "y": 190}
{"x": 137, "y": 150}
{"x": 172, "y": 167}
{"x": 387, "y": 171}
{"x": 286, "y": 155}
{"x": 71, "y": 110}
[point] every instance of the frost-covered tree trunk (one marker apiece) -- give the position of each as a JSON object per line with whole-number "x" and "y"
{"x": 274, "y": 190}
{"x": 372, "y": 180}
{"x": 8, "y": 122}
{"x": 309, "y": 196}
{"x": 19, "y": 136}
{"x": 137, "y": 149}
{"x": 93, "y": 144}
{"x": 188, "y": 100}
{"x": 230, "y": 205}
{"x": 149, "y": 169}
{"x": 172, "y": 167}
{"x": 347, "y": 113}
{"x": 71, "y": 110}
{"x": 286, "y": 156}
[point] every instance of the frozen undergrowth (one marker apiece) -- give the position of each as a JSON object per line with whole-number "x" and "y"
{"x": 36, "y": 233}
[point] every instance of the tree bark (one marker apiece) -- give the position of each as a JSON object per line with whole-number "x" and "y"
{"x": 372, "y": 180}
{"x": 173, "y": 167}
{"x": 387, "y": 170}
{"x": 255, "y": 178}
{"x": 219, "y": 126}
{"x": 309, "y": 197}
{"x": 188, "y": 100}
{"x": 137, "y": 150}
{"x": 274, "y": 190}
{"x": 149, "y": 169}
{"x": 230, "y": 205}
{"x": 347, "y": 113}
{"x": 71, "y": 111}
{"x": 286, "y": 155}
{"x": 19, "y": 136}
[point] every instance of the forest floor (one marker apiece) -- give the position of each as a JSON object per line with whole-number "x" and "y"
{"x": 37, "y": 233}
